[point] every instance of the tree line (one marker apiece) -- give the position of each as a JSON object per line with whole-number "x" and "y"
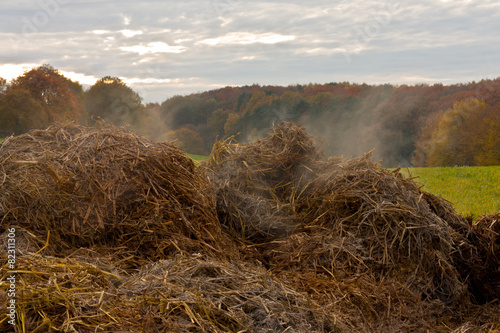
{"x": 42, "y": 95}
{"x": 421, "y": 125}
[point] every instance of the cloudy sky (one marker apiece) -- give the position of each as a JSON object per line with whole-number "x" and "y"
{"x": 164, "y": 48}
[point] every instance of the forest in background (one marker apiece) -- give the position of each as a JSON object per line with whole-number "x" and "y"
{"x": 419, "y": 125}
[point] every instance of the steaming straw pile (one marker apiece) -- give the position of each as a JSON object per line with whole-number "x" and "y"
{"x": 265, "y": 237}
{"x": 359, "y": 239}
{"x": 256, "y": 184}
{"x": 107, "y": 188}
{"x": 478, "y": 258}
{"x": 185, "y": 293}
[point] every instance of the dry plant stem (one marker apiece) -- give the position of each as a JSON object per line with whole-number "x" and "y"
{"x": 116, "y": 233}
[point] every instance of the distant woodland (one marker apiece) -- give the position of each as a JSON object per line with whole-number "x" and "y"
{"x": 419, "y": 125}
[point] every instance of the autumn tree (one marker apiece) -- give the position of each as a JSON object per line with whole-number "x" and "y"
{"x": 61, "y": 98}
{"x": 3, "y": 87}
{"x": 231, "y": 121}
{"x": 290, "y": 100}
{"x": 188, "y": 110}
{"x": 20, "y": 112}
{"x": 321, "y": 101}
{"x": 426, "y": 141}
{"x": 189, "y": 140}
{"x": 258, "y": 100}
{"x": 487, "y": 145}
{"x": 456, "y": 136}
{"x": 216, "y": 123}
{"x": 352, "y": 118}
{"x": 113, "y": 101}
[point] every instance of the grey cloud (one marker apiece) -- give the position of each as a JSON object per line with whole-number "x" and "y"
{"x": 388, "y": 39}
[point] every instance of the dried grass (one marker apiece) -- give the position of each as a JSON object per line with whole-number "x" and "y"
{"x": 74, "y": 186}
{"x": 116, "y": 233}
{"x": 256, "y": 184}
{"x": 380, "y": 224}
{"x": 356, "y": 238}
{"x": 181, "y": 294}
{"x": 477, "y": 258}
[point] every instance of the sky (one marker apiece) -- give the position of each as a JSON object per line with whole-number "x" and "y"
{"x": 165, "y": 48}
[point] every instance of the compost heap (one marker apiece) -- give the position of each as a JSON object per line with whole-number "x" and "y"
{"x": 364, "y": 242}
{"x": 108, "y": 189}
{"x": 116, "y": 233}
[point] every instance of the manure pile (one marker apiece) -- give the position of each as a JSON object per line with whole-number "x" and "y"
{"x": 107, "y": 189}
{"x": 116, "y": 233}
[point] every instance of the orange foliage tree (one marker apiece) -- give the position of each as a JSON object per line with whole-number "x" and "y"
{"x": 216, "y": 123}
{"x": 488, "y": 143}
{"x": 20, "y": 112}
{"x": 3, "y": 87}
{"x": 61, "y": 98}
{"x": 231, "y": 121}
{"x": 466, "y": 134}
{"x": 188, "y": 139}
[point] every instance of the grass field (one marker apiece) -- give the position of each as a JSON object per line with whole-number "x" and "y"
{"x": 198, "y": 158}
{"x": 472, "y": 190}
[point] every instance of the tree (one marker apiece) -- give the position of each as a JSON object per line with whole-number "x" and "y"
{"x": 321, "y": 101}
{"x": 231, "y": 121}
{"x": 453, "y": 137}
{"x": 20, "y": 112}
{"x": 426, "y": 141}
{"x": 151, "y": 122}
{"x": 3, "y": 87}
{"x": 290, "y": 99}
{"x": 257, "y": 100}
{"x": 189, "y": 140}
{"x": 216, "y": 123}
{"x": 352, "y": 118}
{"x": 487, "y": 150}
{"x": 113, "y": 101}
{"x": 188, "y": 110}
{"x": 61, "y": 97}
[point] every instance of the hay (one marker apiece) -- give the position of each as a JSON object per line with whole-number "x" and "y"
{"x": 355, "y": 216}
{"x": 115, "y": 233}
{"x": 478, "y": 258}
{"x": 488, "y": 226}
{"x": 74, "y": 186}
{"x": 25, "y": 242}
{"x": 353, "y": 236}
{"x": 182, "y": 294}
{"x": 256, "y": 183}
{"x": 380, "y": 224}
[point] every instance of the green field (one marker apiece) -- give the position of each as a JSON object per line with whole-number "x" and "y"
{"x": 197, "y": 158}
{"x": 472, "y": 190}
